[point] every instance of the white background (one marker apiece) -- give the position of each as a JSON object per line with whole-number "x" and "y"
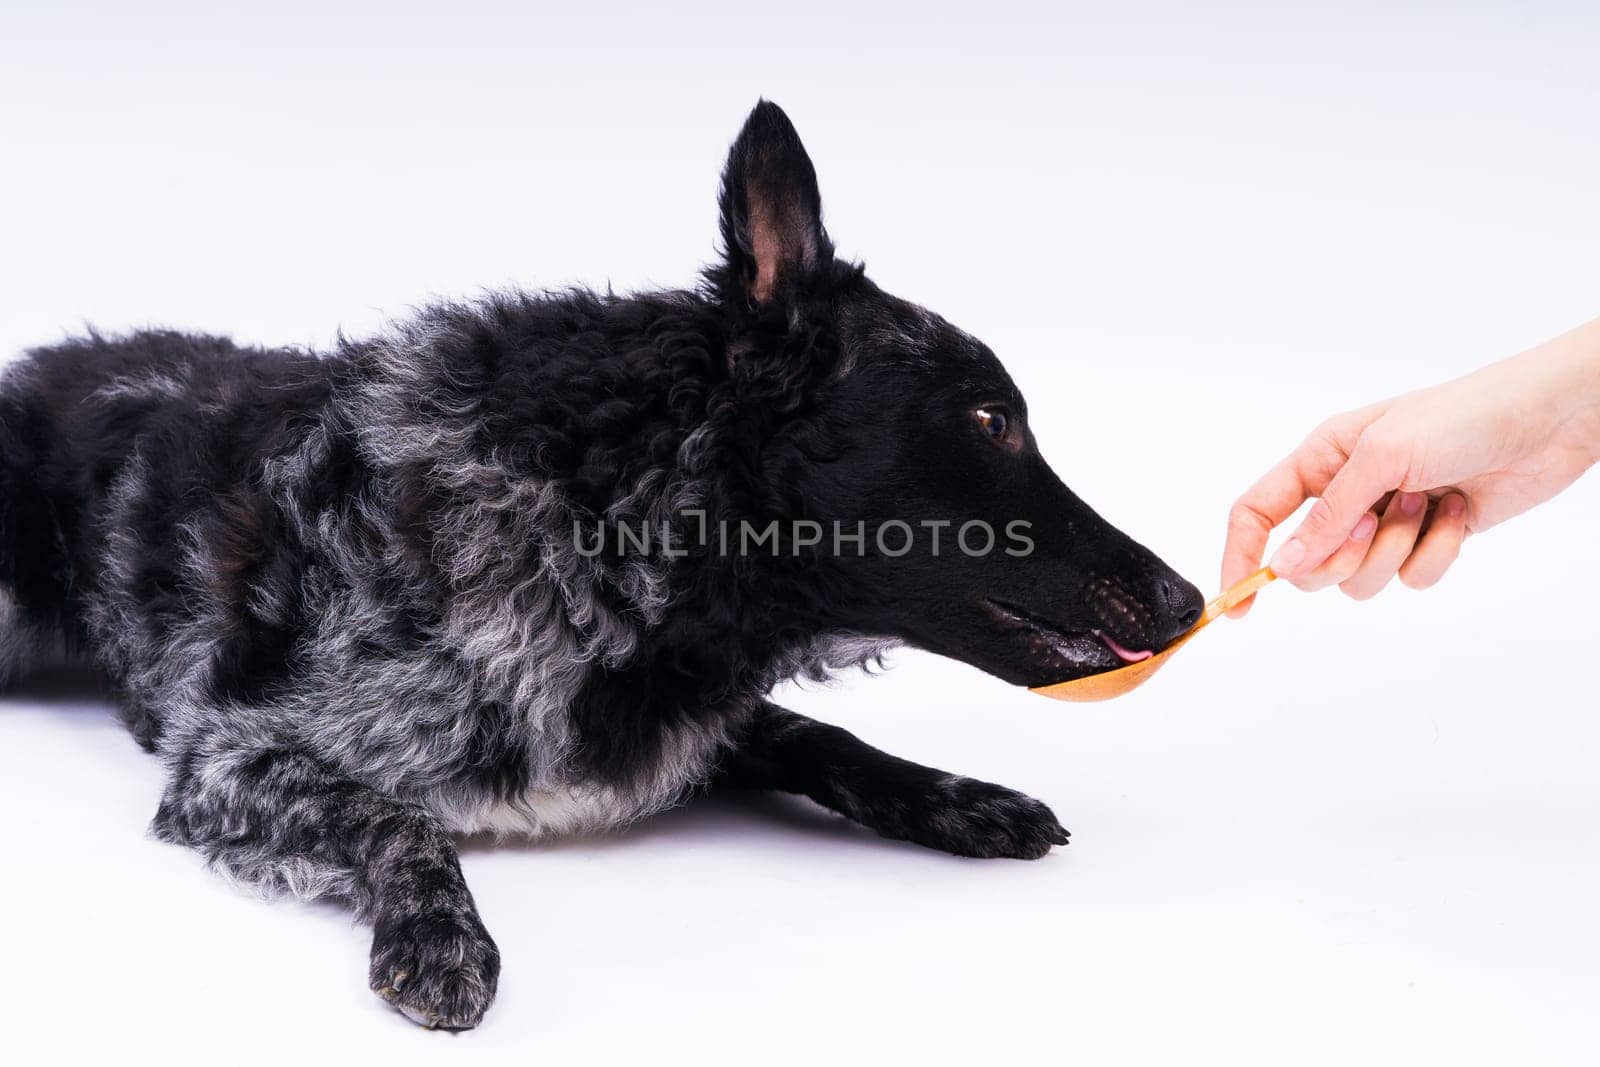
{"x": 1333, "y": 833}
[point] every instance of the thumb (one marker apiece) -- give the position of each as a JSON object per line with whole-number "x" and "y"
{"x": 1373, "y": 469}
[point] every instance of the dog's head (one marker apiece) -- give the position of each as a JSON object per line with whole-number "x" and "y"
{"x": 889, "y": 424}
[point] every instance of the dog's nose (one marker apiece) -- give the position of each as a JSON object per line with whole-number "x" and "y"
{"x": 1164, "y": 609}
{"x": 1183, "y": 603}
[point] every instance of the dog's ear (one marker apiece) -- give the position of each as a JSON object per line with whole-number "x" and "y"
{"x": 772, "y": 231}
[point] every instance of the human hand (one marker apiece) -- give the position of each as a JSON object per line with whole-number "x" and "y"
{"x": 1403, "y": 482}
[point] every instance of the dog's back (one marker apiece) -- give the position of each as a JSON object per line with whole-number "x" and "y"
{"x": 82, "y": 523}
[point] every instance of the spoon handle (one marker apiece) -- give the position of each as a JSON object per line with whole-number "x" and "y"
{"x": 1238, "y": 593}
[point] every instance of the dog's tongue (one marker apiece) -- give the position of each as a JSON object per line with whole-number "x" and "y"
{"x": 1128, "y": 654}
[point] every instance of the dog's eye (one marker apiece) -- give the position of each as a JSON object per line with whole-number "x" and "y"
{"x": 994, "y": 421}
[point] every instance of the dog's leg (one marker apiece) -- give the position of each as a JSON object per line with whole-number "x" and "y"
{"x": 282, "y": 820}
{"x": 793, "y": 754}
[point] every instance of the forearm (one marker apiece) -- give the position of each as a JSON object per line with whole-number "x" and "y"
{"x": 1563, "y": 375}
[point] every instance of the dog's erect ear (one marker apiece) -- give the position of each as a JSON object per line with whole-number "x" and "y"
{"x": 772, "y": 230}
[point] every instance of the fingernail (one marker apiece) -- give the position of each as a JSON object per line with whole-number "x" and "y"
{"x": 1411, "y": 504}
{"x": 1289, "y": 556}
{"x": 1453, "y": 505}
{"x": 1364, "y": 528}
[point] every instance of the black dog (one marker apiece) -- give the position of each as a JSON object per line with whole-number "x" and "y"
{"x": 531, "y": 564}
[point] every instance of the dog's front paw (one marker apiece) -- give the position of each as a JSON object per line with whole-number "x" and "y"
{"x": 439, "y": 968}
{"x": 973, "y": 818}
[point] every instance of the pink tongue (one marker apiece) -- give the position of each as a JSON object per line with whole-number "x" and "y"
{"x": 1127, "y": 654}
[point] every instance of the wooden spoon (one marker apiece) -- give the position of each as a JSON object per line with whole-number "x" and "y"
{"x": 1114, "y": 683}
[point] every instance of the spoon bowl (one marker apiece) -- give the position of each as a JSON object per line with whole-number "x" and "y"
{"x": 1114, "y": 683}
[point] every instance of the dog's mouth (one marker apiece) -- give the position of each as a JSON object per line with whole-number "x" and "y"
{"x": 1060, "y": 654}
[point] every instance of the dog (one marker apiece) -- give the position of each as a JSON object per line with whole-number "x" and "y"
{"x": 532, "y": 564}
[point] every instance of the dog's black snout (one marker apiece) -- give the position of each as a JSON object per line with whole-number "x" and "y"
{"x": 1181, "y": 601}
{"x": 1163, "y": 609}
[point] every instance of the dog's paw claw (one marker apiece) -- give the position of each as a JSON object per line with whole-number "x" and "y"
{"x": 439, "y": 970}
{"x": 421, "y": 1016}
